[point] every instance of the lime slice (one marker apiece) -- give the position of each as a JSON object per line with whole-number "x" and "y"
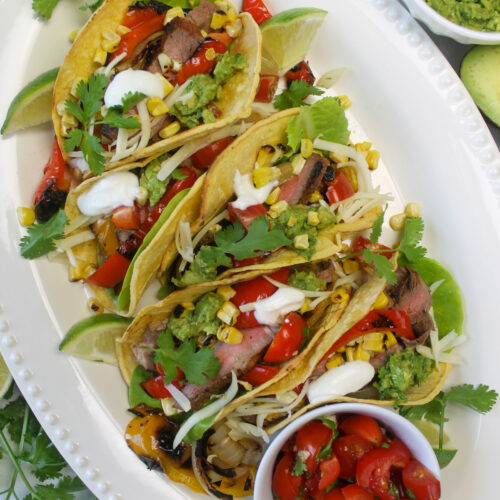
{"x": 287, "y": 36}
{"x": 430, "y": 431}
{"x": 5, "y": 378}
{"x": 33, "y": 105}
{"x": 94, "y": 337}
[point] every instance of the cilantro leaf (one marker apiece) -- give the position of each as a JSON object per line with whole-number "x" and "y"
{"x": 91, "y": 95}
{"x": 130, "y": 99}
{"x": 431, "y": 411}
{"x": 481, "y": 399}
{"x": 44, "y": 8}
{"x": 412, "y": 236}
{"x": 114, "y": 118}
{"x": 40, "y": 237}
{"x": 196, "y": 365}
{"x": 383, "y": 266}
{"x": 377, "y": 228}
{"x": 73, "y": 139}
{"x": 293, "y": 97}
{"x": 444, "y": 457}
{"x": 93, "y": 153}
{"x": 299, "y": 467}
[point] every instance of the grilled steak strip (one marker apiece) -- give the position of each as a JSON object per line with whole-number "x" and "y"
{"x": 202, "y": 15}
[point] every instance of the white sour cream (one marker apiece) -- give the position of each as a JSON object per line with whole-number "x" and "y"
{"x": 247, "y": 194}
{"x": 132, "y": 80}
{"x": 271, "y": 310}
{"x": 341, "y": 380}
{"x": 115, "y": 190}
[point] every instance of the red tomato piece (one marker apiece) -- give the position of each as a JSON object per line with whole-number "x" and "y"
{"x": 330, "y": 470}
{"x": 257, "y": 9}
{"x": 355, "y": 492}
{"x": 300, "y": 72}
{"x": 288, "y": 340}
{"x": 363, "y": 426}
{"x": 335, "y": 494}
{"x": 204, "y": 157}
{"x": 111, "y": 272}
{"x": 246, "y": 216}
{"x": 349, "y": 449}
{"x": 363, "y": 243}
{"x": 340, "y": 189}
{"x": 284, "y": 485}
{"x": 156, "y": 387}
{"x": 311, "y": 438}
{"x": 421, "y": 481}
{"x": 268, "y": 85}
{"x": 398, "y": 446}
{"x": 126, "y": 217}
{"x": 199, "y": 63}
{"x": 260, "y": 374}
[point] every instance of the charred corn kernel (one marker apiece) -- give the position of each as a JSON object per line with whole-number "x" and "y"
{"x": 352, "y": 176}
{"x": 301, "y": 242}
{"x": 374, "y": 345}
{"x": 381, "y": 302}
{"x": 73, "y": 35}
{"x": 210, "y": 54}
{"x": 75, "y": 273}
{"x": 350, "y": 266}
{"x": 164, "y": 61}
{"x": 26, "y": 216}
{"x": 340, "y": 296}
{"x": 361, "y": 354}
{"x": 345, "y": 102}
{"x": 273, "y": 196}
{"x": 298, "y": 162}
{"x": 374, "y": 336}
{"x": 156, "y": 106}
{"x": 390, "y": 340}
{"x": 349, "y": 353}
{"x": 226, "y": 292}
{"x": 95, "y": 306}
{"x": 265, "y": 158}
{"x": 315, "y": 197}
{"x": 233, "y": 30}
{"x": 123, "y": 30}
{"x": 109, "y": 46}
{"x": 306, "y": 147}
{"x": 206, "y": 340}
{"x": 278, "y": 208}
{"x": 363, "y": 146}
{"x": 142, "y": 196}
{"x": 204, "y": 34}
{"x": 187, "y": 306}
{"x": 291, "y": 221}
{"x": 373, "y": 158}
{"x": 167, "y": 86}
{"x": 228, "y": 313}
{"x": 312, "y": 218}
{"x": 110, "y": 41}
{"x": 219, "y": 20}
{"x": 232, "y": 16}
{"x": 264, "y": 175}
{"x": 397, "y": 222}
{"x": 334, "y": 361}
{"x": 170, "y": 130}
{"x": 172, "y": 13}
{"x": 412, "y": 210}
{"x": 305, "y": 306}
{"x": 229, "y": 334}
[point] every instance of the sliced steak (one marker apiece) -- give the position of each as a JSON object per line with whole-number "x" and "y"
{"x": 326, "y": 271}
{"x": 181, "y": 39}
{"x": 299, "y": 188}
{"x": 202, "y": 15}
{"x": 143, "y": 356}
{"x": 381, "y": 358}
{"x": 238, "y": 357}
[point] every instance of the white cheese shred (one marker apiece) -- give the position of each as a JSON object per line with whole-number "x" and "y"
{"x": 179, "y": 397}
{"x": 183, "y": 241}
{"x": 142, "y": 109}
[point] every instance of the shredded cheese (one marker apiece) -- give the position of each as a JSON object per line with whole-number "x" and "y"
{"x": 142, "y": 109}
{"x": 71, "y": 241}
{"x": 183, "y": 241}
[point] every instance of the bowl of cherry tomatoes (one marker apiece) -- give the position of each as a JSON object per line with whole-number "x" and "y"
{"x": 349, "y": 451}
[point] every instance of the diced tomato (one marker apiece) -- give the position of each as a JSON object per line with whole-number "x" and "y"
{"x": 251, "y": 291}
{"x": 257, "y": 9}
{"x": 330, "y": 470}
{"x": 126, "y": 217}
{"x": 111, "y": 272}
{"x": 421, "y": 481}
{"x": 364, "y": 426}
{"x": 362, "y": 243}
{"x": 204, "y": 157}
{"x": 349, "y": 449}
{"x": 286, "y": 486}
{"x": 288, "y": 340}
{"x": 300, "y": 72}
{"x": 340, "y": 189}
{"x": 355, "y": 492}
{"x": 311, "y": 438}
{"x": 268, "y": 85}
{"x": 199, "y": 63}
{"x": 155, "y": 386}
{"x": 246, "y": 216}
{"x": 260, "y": 374}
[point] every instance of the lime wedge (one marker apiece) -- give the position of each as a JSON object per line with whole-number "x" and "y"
{"x": 430, "y": 431}
{"x": 33, "y": 105}
{"x": 5, "y": 378}
{"x": 287, "y": 36}
{"x": 94, "y": 337}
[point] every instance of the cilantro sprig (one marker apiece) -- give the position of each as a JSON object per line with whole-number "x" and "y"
{"x": 293, "y": 97}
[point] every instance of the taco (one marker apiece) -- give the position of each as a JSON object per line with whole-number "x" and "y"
{"x": 142, "y": 79}
{"x": 271, "y": 199}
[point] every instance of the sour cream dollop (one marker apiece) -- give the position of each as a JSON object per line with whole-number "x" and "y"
{"x": 271, "y": 310}
{"x": 341, "y": 380}
{"x": 110, "y": 192}
{"x": 247, "y": 194}
{"x": 133, "y": 80}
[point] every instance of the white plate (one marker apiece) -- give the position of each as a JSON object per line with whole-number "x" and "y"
{"x": 439, "y": 153}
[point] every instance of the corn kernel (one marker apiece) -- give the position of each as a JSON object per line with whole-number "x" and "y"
{"x": 397, "y": 222}
{"x": 277, "y": 209}
{"x": 172, "y": 13}
{"x": 232, "y": 16}
{"x": 337, "y": 158}
{"x": 26, "y": 216}
{"x": 305, "y": 306}
{"x": 73, "y": 35}
{"x": 95, "y": 306}
{"x": 298, "y": 162}
{"x": 164, "y": 61}
{"x": 374, "y": 336}
{"x": 341, "y": 349}
{"x": 291, "y": 221}
{"x": 361, "y": 354}
{"x": 205, "y": 340}
{"x": 334, "y": 361}
{"x": 352, "y": 176}
{"x": 170, "y": 130}
{"x": 373, "y": 158}
{"x": 210, "y": 54}
{"x": 167, "y": 86}
{"x": 273, "y": 196}
{"x": 228, "y": 313}
{"x": 233, "y": 30}
{"x": 349, "y": 353}
{"x": 412, "y": 210}
{"x": 374, "y": 344}
{"x": 264, "y": 175}
{"x": 123, "y": 30}
{"x": 350, "y": 266}
{"x": 312, "y": 218}
{"x": 306, "y": 147}
{"x": 226, "y": 292}
{"x": 176, "y": 65}
{"x": 265, "y": 158}
{"x": 111, "y": 41}
{"x": 363, "y": 147}
{"x": 142, "y": 196}
{"x": 340, "y": 296}
{"x": 345, "y": 248}
{"x": 156, "y": 106}
{"x": 218, "y": 20}
{"x": 204, "y": 34}
{"x": 390, "y": 340}
{"x": 187, "y": 306}
{"x": 75, "y": 273}
{"x": 222, "y": 4}
{"x": 381, "y": 302}
{"x": 345, "y": 102}
{"x": 61, "y": 107}
{"x": 315, "y": 197}
{"x": 229, "y": 335}
{"x": 301, "y": 242}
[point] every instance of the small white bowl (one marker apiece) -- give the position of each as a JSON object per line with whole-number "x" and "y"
{"x": 442, "y": 26}
{"x": 398, "y": 425}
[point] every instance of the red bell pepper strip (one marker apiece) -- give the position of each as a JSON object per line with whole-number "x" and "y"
{"x": 204, "y": 157}
{"x": 222, "y": 37}
{"x": 300, "y": 72}
{"x": 257, "y": 9}
{"x": 111, "y": 272}
{"x": 134, "y": 17}
{"x": 268, "y": 85}
{"x": 288, "y": 340}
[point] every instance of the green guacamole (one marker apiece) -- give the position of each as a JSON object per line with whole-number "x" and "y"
{"x": 481, "y": 15}
{"x": 306, "y": 280}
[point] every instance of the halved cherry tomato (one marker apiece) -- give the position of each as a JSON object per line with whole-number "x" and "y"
{"x": 335, "y": 494}
{"x": 155, "y": 386}
{"x": 257, "y": 9}
{"x": 204, "y": 157}
{"x": 340, "y": 189}
{"x": 287, "y": 341}
{"x": 111, "y": 272}
{"x": 126, "y": 217}
{"x": 301, "y": 72}
{"x": 363, "y": 426}
{"x": 251, "y": 291}
{"x": 268, "y": 85}
{"x": 246, "y": 216}
{"x": 286, "y": 486}
{"x": 311, "y": 438}
{"x": 362, "y": 243}
{"x": 260, "y": 374}
{"x": 398, "y": 446}
{"x": 421, "y": 481}
{"x": 349, "y": 449}
{"x": 355, "y": 492}
{"x": 330, "y": 470}
{"x": 198, "y": 63}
